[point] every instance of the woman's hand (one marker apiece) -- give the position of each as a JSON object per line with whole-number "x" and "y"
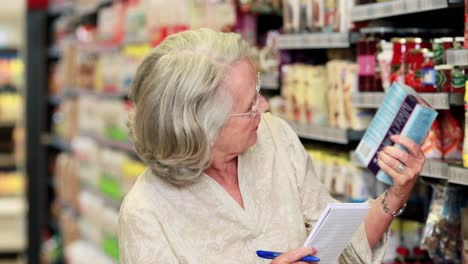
{"x": 293, "y": 256}
{"x": 404, "y": 168}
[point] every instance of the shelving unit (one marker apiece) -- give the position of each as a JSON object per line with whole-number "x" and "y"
{"x": 436, "y": 170}
{"x": 7, "y": 124}
{"x": 458, "y": 175}
{"x": 63, "y": 7}
{"x": 394, "y": 8}
{"x": 111, "y": 190}
{"x": 56, "y": 142}
{"x": 327, "y": 134}
{"x": 457, "y": 57}
{"x": 440, "y": 101}
{"x": 126, "y": 147}
{"x": 313, "y": 41}
{"x": 7, "y": 161}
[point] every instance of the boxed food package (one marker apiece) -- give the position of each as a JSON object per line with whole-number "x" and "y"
{"x": 336, "y": 115}
{"x": 357, "y": 119}
{"x": 403, "y": 112}
{"x": 316, "y": 96}
{"x": 291, "y": 15}
{"x": 336, "y": 15}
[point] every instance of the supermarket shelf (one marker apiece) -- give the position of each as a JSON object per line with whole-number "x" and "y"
{"x": 367, "y": 99}
{"x": 7, "y": 161}
{"x": 270, "y": 81}
{"x": 56, "y": 142}
{"x": 327, "y": 134}
{"x": 77, "y": 92}
{"x": 440, "y": 101}
{"x": 313, "y": 41}
{"x": 127, "y": 147}
{"x": 89, "y": 9}
{"x": 67, "y": 93}
{"x": 435, "y": 169}
{"x": 97, "y": 192}
{"x": 98, "y": 49}
{"x": 394, "y": 8}
{"x": 135, "y": 41}
{"x": 457, "y": 57}
{"x": 54, "y": 52}
{"x": 8, "y": 48}
{"x": 458, "y": 175}
{"x": 7, "y": 124}
{"x": 61, "y": 8}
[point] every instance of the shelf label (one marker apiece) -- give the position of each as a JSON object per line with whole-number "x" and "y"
{"x": 437, "y": 100}
{"x": 377, "y": 10}
{"x": 412, "y": 5}
{"x": 458, "y": 175}
{"x": 435, "y": 169}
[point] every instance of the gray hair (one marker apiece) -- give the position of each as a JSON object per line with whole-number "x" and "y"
{"x": 180, "y": 106}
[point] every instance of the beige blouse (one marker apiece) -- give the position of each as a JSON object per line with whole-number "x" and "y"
{"x": 201, "y": 223}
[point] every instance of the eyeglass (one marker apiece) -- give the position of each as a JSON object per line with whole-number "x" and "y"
{"x": 254, "y": 109}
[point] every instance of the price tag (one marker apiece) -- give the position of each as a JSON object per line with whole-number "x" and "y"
{"x": 398, "y": 7}
{"x": 458, "y": 175}
{"x": 370, "y": 12}
{"x": 289, "y": 41}
{"x": 441, "y": 101}
{"x": 439, "y": 4}
{"x": 361, "y": 12}
{"x": 435, "y": 169}
{"x": 387, "y": 9}
{"x": 378, "y": 10}
{"x": 457, "y": 57}
{"x": 411, "y": 5}
{"x": 313, "y": 41}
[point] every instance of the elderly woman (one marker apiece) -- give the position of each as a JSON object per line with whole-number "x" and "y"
{"x": 225, "y": 179}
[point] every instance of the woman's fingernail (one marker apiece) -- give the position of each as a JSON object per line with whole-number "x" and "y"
{"x": 314, "y": 250}
{"x": 394, "y": 137}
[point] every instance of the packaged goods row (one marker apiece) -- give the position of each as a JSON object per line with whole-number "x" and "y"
{"x": 91, "y": 183}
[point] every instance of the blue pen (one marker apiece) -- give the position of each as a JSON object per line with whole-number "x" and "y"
{"x": 272, "y": 255}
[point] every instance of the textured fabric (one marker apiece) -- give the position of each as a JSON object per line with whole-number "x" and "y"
{"x": 201, "y": 223}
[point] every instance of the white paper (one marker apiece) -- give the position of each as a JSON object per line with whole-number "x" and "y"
{"x": 335, "y": 228}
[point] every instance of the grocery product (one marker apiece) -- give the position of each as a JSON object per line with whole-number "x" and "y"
{"x": 397, "y": 64}
{"x": 429, "y": 74}
{"x": 457, "y": 80}
{"x": 441, "y": 232}
{"x": 384, "y": 59}
{"x": 432, "y": 146}
{"x": 443, "y": 78}
{"x": 452, "y": 136}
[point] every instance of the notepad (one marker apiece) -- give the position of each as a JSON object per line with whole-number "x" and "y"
{"x": 335, "y": 228}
